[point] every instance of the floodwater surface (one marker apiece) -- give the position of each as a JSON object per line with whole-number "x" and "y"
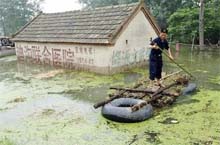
{"x": 42, "y": 105}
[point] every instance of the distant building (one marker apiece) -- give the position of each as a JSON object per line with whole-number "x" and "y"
{"x": 104, "y": 40}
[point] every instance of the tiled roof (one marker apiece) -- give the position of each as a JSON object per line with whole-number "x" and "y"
{"x": 99, "y": 25}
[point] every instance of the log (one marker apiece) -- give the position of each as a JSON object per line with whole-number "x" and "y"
{"x": 158, "y": 94}
{"x": 146, "y": 91}
{"x": 120, "y": 93}
{"x": 170, "y": 75}
{"x": 97, "y": 105}
{"x": 113, "y": 97}
{"x": 139, "y": 106}
{"x": 179, "y": 81}
{"x": 163, "y": 89}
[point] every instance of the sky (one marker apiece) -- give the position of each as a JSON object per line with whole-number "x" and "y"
{"x": 51, "y": 6}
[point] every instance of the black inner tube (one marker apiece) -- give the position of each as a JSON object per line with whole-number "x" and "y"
{"x": 125, "y": 105}
{"x": 120, "y": 110}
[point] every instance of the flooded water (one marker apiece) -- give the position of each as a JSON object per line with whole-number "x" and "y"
{"x": 41, "y": 105}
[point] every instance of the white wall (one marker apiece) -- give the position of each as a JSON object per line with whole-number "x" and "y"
{"x": 137, "y": 34}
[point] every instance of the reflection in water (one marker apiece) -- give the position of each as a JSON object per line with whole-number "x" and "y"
{"x": 202, "y": 64}
{"x": 177, "y": 53}
{"x": 88, "y": 87}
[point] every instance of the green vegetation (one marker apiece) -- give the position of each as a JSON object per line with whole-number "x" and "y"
{"x": 184, "y": 24}
{"x": 6, "y": 141}
{"x": 16, "y": 13}
{"x": 101, "y": 3}
{"x": 215, "y": 80}
{"x": 192, "y": 120}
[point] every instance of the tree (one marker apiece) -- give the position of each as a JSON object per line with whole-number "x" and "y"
{"x": 212, "y": 21}
{"x": 163, "y": 9}
{"x": 201, "y": 24}
{"x": 184, "y": 24}
{"x": 16, "y": 13}
{"x": 101, "y": 3}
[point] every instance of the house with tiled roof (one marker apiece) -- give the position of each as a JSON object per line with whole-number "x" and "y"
{"x": 103, "y": 40}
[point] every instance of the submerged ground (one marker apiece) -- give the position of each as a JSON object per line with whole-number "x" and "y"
{"x": 45, "y": 106}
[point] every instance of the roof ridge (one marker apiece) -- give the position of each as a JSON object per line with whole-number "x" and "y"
{"x": 26, "y": 25}
{"x": 118, "y": 6}
{"x": 97, "y": 8}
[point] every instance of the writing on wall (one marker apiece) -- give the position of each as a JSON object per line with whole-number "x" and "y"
{"x": 20, "y": 53}
{"x": 126, "y": 57}
{"x": 56, "y": 56}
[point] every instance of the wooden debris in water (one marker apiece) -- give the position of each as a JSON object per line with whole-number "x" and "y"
{"x": 17, "y": 100}
{"x": 158, "y": 98}
{"x": 49, "y": 74}
{"x": 147, "y": 91}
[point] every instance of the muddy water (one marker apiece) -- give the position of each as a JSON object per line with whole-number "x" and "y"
{"x": 42, "y": 105}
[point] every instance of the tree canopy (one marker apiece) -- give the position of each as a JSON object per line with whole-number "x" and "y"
{"x": 184, "y": 23}
{"x": 101, "y": 3}
{"x": 16, "y": 13}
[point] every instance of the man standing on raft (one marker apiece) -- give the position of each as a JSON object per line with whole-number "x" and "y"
{"x": 156, "y": 62}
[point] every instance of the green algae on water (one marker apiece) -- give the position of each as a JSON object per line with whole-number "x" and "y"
{"x": 6, "y": 141}
{"x": 197, "y": 124}
{"x": 215, "y": 80}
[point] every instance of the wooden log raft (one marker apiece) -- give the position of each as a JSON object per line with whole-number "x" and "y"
{"x": 158, "y": 94}
{"x": 123, "y": 91}
{"x": 114, "y": 97}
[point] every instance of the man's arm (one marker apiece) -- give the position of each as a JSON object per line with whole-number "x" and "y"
{"x": 170, "y": 53}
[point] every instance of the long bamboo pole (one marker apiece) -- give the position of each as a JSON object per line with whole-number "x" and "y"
{"x": 167, "y": 55}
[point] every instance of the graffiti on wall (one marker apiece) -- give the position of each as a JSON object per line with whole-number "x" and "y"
{"x": 126, "y": 57}
{"x": 46, "y": 56}
{"x": 68, "y": 58}
{"x": 20, "y": 53}
{"x": 36, "y": 54}
{"x": 56, "y": 56}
